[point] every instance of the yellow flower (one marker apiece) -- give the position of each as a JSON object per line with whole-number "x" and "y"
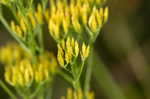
{"x": 71, "y": 94}
{"x": 23, "y": 25}
{"x": 47, "y": 15}
{"x": 106, "y": 14}
{"x": 75, "y": 15}
{"x": 66, "y": 24}
{"x": 24, "y": 72}
{"x": 32, "y": 19}
{"x": 54, "y": 29}
{"x": 46, "y": 67}
{"x": 93, "y": 24}
{"x": 11, "y": 53}
{"x": 85, "y": 51}
{"x": 76, "y": 24}
{"x": 60, "y": 56}
{"x": 85, "y": 11}
{"x": 69, "y": 49}
{"x": 39, "y": 14}
{"x": 20, "y": 74}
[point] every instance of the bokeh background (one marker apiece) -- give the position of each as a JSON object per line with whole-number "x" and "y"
{"x": 121, "y": 68}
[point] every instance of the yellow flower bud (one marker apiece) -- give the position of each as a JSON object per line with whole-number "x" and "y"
{"x": 76, "y": 24}
{"x": 54, "y": 29}
{"x": 91, "y": 95}
{"x": 78, "y": 94}
{"x": 69, "y": 94}
{"x": 68, "y": 57}
{"x": 8, "y": 75}
{"x": 84, "y": 11}
{"x": 32, "y": 19}
{"x": 85, "y": 51}
{"x": 76, "y": 48}
{"x": 66, "y": 25}
{"x": 60, "y": 56}
{"x": 47, "y": 15}
{"x": 39, "y": 14}
{"x": 106, "y": 14}
{"x": 23, "y": 25}
{"x": 19, "y": 32}
{"x": 93, "y": 22}
{"x": 99, "y": 17}
{"x": 13, "y": 26}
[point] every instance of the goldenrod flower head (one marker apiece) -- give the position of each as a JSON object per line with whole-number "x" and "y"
{"x": 24, "y": 72}
{"x": 20, "y": 74}
{"x": 66, "y": 15}
{"x": 46, "y": 67}
{"x": 71, "y": 94}
{"x": 69, "y": 49}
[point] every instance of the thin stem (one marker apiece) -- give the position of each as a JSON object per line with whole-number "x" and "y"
{"x": 2, "y": 84}
{"x": 39, "y": 87}
{"x": 76, "y": 85}
{"x": 49, "y": 90}
{"x": 80, "y": 71}
{"x": 76, "y": 82}
{"x": 65, "y": 76}
{"x": 88, "y": 73}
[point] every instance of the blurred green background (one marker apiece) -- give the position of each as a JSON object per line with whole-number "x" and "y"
{"x": 121, "y": 68}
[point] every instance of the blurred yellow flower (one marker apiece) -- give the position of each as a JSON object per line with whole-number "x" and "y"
{"x": 71, "y": 94}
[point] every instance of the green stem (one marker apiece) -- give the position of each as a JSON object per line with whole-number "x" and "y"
{"x": 88, "y": 73}
{"x": 76, "y": 82}
{"x": 65, "y": 76}
{"x": 80, "y": 71}
{"x": 49, "y": 90}
{"x": 2, "y": 84}
{"x": 76, "y": 85}
{"x": 39, "y": 87}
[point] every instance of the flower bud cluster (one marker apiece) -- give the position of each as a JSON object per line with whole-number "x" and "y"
{"x": 65, "y": 17}
{"x": 69, "y": 50}
{"x": 25, "y": 72}
{"x": 28, "y": 22}
{"x": 21, "y": 70}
